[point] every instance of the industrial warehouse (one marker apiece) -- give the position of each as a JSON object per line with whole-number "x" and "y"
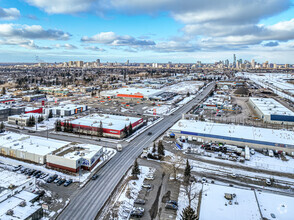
{"x": 131, "y": 93}
{"x": 111, "y": 125}
{"x": 258, "y": 138}
{"x": 66, "y": 110}
{"x": 28, "y": 148}
{"x": 271, "y": 111}
{"x": 73, "y": 157}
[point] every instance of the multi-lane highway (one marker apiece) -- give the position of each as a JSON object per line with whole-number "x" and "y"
{"x": 88, "y": 201}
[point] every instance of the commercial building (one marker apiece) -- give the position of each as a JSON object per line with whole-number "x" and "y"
{"x": 271, "y": 111}
{"x": 28, "y": 148}
{"x": 131, "y": 93}
{"x": 112, "y": 125}
{"x": 7, "y": 101}
{"x": 258, "y": 138}
{"x": 36, "y": 97}
{"x": 74, "y": 157}
{"x": 6, "y": 110}
{"x": 23, "y": 119}
{"x": 16, "y": 199}
{"x": 66, "y": 110}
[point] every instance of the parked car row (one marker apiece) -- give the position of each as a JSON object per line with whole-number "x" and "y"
{"x": 171, "y": 204}
{"x": 42, "y": 175}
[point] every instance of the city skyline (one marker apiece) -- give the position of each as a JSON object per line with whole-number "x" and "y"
{"x": 162, "y": 31}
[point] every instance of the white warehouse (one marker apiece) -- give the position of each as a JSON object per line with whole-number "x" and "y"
{"x": 271, "y": 111}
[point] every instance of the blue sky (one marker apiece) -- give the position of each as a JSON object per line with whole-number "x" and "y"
{"x": 146, "y": 31}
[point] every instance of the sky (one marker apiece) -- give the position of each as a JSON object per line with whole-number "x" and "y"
{"x": 179, "y": 31}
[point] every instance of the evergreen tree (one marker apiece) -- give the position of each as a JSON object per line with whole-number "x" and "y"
{"x": 57, "y": 125}
{"x": 70, "y": 128}
{"x": 50, "y": 114}
{"x": 136, "y": 169}
{"x": 2, "y": 126}
{"x": 188, "y": 214}
{"x": 125, "y": 131}
{"x": 33, "y": 121}
{"x": 130, "y": 129}
{"x": 188, "y": 94}
{"x": 160, "y": 148}
{"x": 154, "y": 148}
{"x": 187, "y": 172}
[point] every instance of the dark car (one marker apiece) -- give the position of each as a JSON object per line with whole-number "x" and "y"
{"x": 171, "y": 206}
{"x": 52, "y": 178}
{"x": 38, "y": 175}
{"x": 17, "y": 168}
{"x": 149, "y": 133}
{"x": 95, "y": 176}
{"x": 67, "y": 183}
{"x": 60, "y": 182}
{"x": 174, "y": 202}
{"x": 140, "y": 201}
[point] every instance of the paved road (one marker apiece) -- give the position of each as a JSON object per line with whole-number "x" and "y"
{"x": 90, "y": 200}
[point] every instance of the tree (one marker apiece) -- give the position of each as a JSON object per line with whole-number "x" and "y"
{"x": 130, "y": 129}
{"x": 188, "y": 94}
{"x": 3, "y": 91}
{"x": 70, "y": 128}
{"x": 100, "y": 130}
{"x": 160, "y": 148}
{"x": 136, "y": 169}
{"x": 154, "y": 148}
{"x": 125, "y": 131}
{"x": 2, "y": 126}
{"x": 187, "y": 172}
{"x": 50, "y": 114}
{"x": 188, "y": 214}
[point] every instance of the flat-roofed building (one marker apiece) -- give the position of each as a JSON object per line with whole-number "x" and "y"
{"x": 271, "y": 111}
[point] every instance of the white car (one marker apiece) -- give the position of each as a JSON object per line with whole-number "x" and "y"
{"x": 203, "y": 180}
{"x": 149, "y": 177}
{"x": 268, "y": 182}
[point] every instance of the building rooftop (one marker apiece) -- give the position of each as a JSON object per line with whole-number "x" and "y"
{"x": 269, "y": 106}
{"x": 133, "y": 91}
{"x": 115, "y": 122}
{"x": 31, "y": 144}
{"x": 283, "y": 137}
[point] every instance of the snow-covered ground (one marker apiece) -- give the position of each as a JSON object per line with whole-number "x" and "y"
{"x": 184, "y": 87}
{"x": 183, "y": 201}
{"x": 186, "y": 100}
{"x": 215, "y": 206}
{"x": 130, "y": 192}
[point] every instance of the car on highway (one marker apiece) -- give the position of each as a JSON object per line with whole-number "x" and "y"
{"x": 67, "y": 183}
{"x": 95, "y": 176}
{"x": 268, "y": 182}
{"x": 149, "y": 133}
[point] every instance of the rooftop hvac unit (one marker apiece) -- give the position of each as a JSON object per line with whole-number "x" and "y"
{"x": 23, "y": 204}
{"x": 9, "y": 212}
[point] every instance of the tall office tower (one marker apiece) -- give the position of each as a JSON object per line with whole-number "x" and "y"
{"x": 252, "y": 64}
{"x": 128, "y": 62}
{"x": 227, "y": 62}
{"x": 98, "y": 62}
{"x": 199, "y": 64}
{"x": 234, "y": 63}
{"x": 79, "y": 63}
{"x": 71, "y": 63}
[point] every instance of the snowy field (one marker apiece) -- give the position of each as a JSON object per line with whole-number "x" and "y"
{"x": 159, "y": 110}
{"x": 184, "y": 87}
{"x": 281, "y": 207}
{"x": 214, "y": 205}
